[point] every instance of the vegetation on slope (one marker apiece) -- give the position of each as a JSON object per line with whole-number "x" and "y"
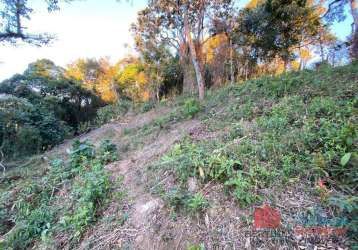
{"x": 256, "y": 138}
{"x": 299, "y": 127}
{"x": 58, "y": 205}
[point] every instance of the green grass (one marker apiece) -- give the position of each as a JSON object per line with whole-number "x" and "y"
{"x": 65, "y": 199}
{"x": 300, "y": 127}
{"x": 297, "y": 127}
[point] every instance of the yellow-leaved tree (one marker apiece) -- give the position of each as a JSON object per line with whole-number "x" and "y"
{"x": 96, "y": 75}
{"x": 132, "y": 79}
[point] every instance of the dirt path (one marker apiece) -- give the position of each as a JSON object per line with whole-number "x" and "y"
{"x": 140, "y": 219}
{"x": 136, "y": 232}
{"x": 111, "y": 130}
{"x": 139, "y": 204}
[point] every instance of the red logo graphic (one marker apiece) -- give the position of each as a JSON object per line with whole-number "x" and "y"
{"x": 266, "y": 218}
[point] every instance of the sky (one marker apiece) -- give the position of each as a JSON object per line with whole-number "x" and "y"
{"x": 86, "y": 29}
{"x": 83, "y": 29}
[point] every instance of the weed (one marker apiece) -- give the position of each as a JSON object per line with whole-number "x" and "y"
{"x": 347, "y": 214}
{"x": 197, "y": 247}
{"x": 197, "y": 203}
{"x": 178, "y": 199}
{"x": 240, "y": 110}
{"x": 35, "y": 212}
{"x": 112, "y": 112}
{"x": 147, "y": 106}
{"x": 191, "y": 107}
{"x": 243, "y": 189}
{"x": 107, "y": 152}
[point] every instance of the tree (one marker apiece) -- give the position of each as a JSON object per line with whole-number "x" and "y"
{"x": 132, "y": 79}
{"x": 156, "y": 62}
{"x": 325, "y": 41}
{"x": 276, "y": 28}
{"x": 67, "y": 99}
{"x": 12, "y": 15}
{"x": 217, "y": 52}
{"x": 335, "y": 12}
{"x": 305, "y": 56}
{"x": 26, "y": 128}
{"x": 44, "y": 68}
{"x": 155, "y": 56}
{"x": 182, "y": 26}
{"x": 95, "y": 75}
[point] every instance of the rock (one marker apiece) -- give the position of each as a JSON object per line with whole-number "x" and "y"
{"x": 139, "y": 239}
{"x": 143, "y": 210}
{"x": 212, "y": 211}
{"x": 247, "y": 243}
{"x": 149, "y": 207}
{"x": 192, "y": 184}
{"x": 207, "y": 221}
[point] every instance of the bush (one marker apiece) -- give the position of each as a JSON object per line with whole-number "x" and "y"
{"x": 322, "y": 106}
{"x": 147, "y": 106}
{"x": 112, "y": 112}
{"x": 89, "y": 190}
{"x": 191, "y": 107}
{"x": 35, "y": 211}
{"x": 244, "y": 190}
{"x": 179, "y": 199}
{"x": 305, "y": 130}
{"x": 107, "y": 152}
{"x": 197, "y": 203}
{"x": 26, "y": 129}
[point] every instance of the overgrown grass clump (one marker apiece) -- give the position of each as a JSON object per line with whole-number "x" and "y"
{"x": 278, "y": 131}
{"x": 64, "y": 202}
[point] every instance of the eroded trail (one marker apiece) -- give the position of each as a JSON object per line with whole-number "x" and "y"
{"x": 139, "y": 205}
{"x": 137, "y": 217}
{"x": 112, "y": 130}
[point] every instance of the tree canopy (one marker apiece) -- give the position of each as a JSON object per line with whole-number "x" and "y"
{"x": 182, "y": 47}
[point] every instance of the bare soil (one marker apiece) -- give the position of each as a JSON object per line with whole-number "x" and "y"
{"x": 141, "y": 219}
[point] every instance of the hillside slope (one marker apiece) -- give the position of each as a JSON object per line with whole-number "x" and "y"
{"x": 188, "y": 175}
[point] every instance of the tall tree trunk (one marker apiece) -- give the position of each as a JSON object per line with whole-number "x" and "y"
{"x": 194, "y": 58}
{"x": 189, "y": 81}
{"x": 354, "y": 11}
{"x": 231, "y": 62}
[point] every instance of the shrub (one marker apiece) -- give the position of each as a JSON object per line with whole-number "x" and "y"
{"x": 176, "y": 198}
{"x": 244, "y": 190}
{"x": 191, "y": 108}
{"x": 322, "y": 106}
{"x": 287, "y": 112}
{"x": 89, "y": 190}
{"x": 179, "y": 199}
{"x": 112, "y": 112}
{"x": 147, "y": 106}
{"x": 197, "y": 203}
{"x": 26, "y": 129}
{"x": 240, "y": 110}
{"x": 34, "y": 211}
{"x": 197, "y": 247}
{"x": 347, "y": 214}
{"x": 107, "y": 152}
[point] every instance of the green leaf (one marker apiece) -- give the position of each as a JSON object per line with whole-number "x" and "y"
{"x": 345, "y": 159}
{"x": 349, "y": 141}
